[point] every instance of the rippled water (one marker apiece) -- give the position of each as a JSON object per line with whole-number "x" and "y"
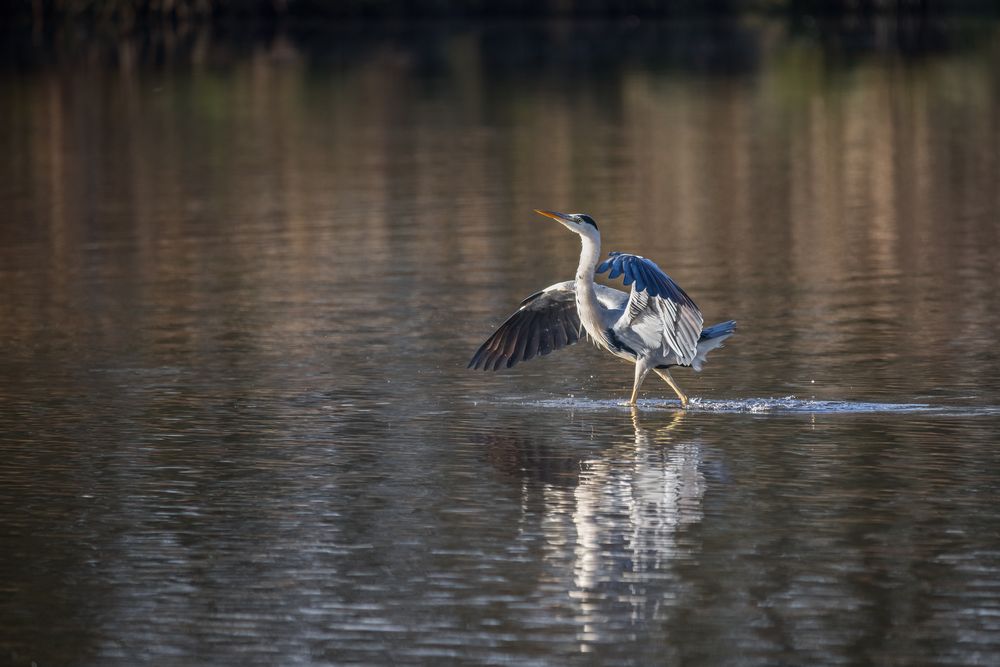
{"x": 240, "y": 284}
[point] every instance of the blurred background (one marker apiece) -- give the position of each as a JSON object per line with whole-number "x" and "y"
{"x": 129, "y": 11}
{"x": 247, "y": 248}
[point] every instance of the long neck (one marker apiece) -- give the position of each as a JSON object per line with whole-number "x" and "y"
{"x": 586, "y": 295}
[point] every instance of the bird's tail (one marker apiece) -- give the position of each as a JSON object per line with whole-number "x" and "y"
{"x": 711, "y": 338}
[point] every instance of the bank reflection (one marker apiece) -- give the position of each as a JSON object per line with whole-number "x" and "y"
{"x": 612, "y": 519}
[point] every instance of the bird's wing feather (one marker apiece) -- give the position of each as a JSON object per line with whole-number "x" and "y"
{"x": 659, "y": 312}
{"x": 546, "y": 321}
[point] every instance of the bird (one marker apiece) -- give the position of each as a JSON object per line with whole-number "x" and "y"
{"x": 655, "y": 325}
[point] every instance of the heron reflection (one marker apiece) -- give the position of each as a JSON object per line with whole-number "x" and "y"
{"x": 611, "y": 513}
{"x": 653, "y": 481}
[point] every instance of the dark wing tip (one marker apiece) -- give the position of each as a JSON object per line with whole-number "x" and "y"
{"x": 532, "y": 330}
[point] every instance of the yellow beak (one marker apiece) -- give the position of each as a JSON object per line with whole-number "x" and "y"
{"x": 555, "y": 215}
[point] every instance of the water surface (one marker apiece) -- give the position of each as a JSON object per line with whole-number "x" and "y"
{"x": 241, "y": 281}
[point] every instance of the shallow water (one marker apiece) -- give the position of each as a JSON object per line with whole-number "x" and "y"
{"x": 770, "y": 405}
{"x": 241, "y": 282}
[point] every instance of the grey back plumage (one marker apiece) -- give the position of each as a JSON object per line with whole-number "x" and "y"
{"x": 660, "y": 319}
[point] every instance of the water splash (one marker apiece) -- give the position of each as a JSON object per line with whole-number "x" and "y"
{"x": 792, "y": 404}
{"x": 770, "y": 405}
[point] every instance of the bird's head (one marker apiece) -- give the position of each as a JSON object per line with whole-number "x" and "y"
{"x": 581, "y": 223}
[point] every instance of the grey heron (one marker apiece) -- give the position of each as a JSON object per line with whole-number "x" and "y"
{"x": 655, "y": 326}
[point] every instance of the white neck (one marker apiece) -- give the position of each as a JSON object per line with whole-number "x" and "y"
{"x": 587, "y": 304}
{"x": 590, "y": 253}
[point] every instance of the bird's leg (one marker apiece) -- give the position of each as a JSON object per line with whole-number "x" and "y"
{"x": 641, "y": 369}
{"x": 665, "y": 374}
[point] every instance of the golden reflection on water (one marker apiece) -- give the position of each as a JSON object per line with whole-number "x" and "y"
{"x": 822, "y": 207}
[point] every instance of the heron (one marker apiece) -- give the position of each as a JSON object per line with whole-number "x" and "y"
{"x": 656, "y": 325}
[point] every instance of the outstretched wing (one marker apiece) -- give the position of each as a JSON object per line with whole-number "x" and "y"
{"x": 546, "y": 321}
{"x": 659, "y": 314}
